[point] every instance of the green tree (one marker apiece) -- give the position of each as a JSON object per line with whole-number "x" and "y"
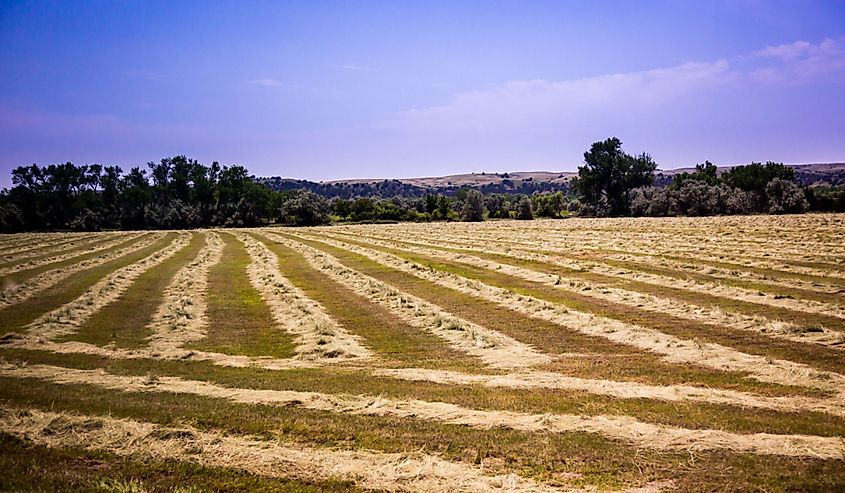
{"x": 610, "y": 174}
{"x": 473, "y": 209}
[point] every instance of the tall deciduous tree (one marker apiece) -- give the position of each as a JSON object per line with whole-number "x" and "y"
{"x": 610, "y": 174}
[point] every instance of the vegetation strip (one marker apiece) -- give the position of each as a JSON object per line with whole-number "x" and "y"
{"x": 827, "y": 308}
{"x": 66, "y": 319}
{"x": 672, "y": 348}
{"x": 494, "y": 348}
{"x": 55, "y": 252}
{"x": 380, "y": 471}
{"x": 318, "y": 336}
{"x": 17, "y": 293}
{"x": 634, "y": 299}
{"x": 181, "y": 317}
{"x": 641, "y": 434}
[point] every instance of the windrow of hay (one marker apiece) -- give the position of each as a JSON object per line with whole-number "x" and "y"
{"x": 639, "y": 433}
{"x": 318, "y": 337}
{"x": 492, "y": 347}
{"x": 636, "y": 261}
{"x": 76, "y": 250}
{"x": 16, "y": 293}
{"x": 673, "y": 349}
{"x": 545, "y": 234}
{"x": 671, "y": 244}
{"x": 618, "y": 389}
{"x": 29, "y": 246}
{"x": 714, "y": 289}
{"x": 65, "y": 319}
{"x": 634, "y": 299}
{"x": 371, "y": 470}
{"x": 28, "y": 259}
{"x": 181, "y": 317}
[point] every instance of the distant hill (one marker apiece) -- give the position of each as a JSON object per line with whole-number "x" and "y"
{"x": 526, "y": 182}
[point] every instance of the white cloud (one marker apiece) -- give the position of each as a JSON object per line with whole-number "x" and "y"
{"x": 542, "y": 103}
{"x": 267, "y": 82}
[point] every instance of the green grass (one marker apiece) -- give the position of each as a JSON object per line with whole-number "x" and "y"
{"x": 746, "y": 341}
{"x": 14, "y": 318}
{"x": 239, "y": 321}
{"x": 37, "y": 469}
{"x": 385, "y": 333}
{"x": 358, "y": 381}
{"x": 25, "y": 274}
{"x": 600, "y": 461}
{"x": 601, "y": 358}
{"x": 124, "y": 322}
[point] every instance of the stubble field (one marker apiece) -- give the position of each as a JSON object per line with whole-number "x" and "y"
{"x": 636, "y": 355}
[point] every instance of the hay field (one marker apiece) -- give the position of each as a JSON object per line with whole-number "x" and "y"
{"x": 635, "y": 355}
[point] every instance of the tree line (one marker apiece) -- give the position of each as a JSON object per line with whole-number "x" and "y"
{"x": 178, "y": 192}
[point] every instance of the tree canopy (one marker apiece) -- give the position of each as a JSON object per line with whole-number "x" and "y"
{"x": 609, "y": 174}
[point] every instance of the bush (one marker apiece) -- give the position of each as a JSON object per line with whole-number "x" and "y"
{"x": 305, "y": 208}
{"x": 785, "y": 197}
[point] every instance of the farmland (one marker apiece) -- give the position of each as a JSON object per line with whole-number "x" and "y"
{"x": 636, "y": 355}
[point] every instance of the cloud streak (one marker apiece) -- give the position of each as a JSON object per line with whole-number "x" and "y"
{"x": 521, "y": 103}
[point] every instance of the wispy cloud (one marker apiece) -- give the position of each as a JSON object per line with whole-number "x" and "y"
{"x": 355, "y": 67}
{"x": 522, "y": 103}
{"x": 267, "y": 82}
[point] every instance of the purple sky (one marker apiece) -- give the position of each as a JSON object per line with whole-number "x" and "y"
{"x": 326, "y": 90}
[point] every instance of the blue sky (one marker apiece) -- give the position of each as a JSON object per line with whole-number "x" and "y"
{"x": 326, "y": 90}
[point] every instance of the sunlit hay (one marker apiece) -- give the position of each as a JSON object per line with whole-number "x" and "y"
{"x": 181, "y": 317}
{"x": 639, "y": 433}
{"x": 618, "y": 389}
{"x": 633, "y": 299}
{"x": 317, "y": 335}
{"x": 75, "y": 249}
{"x": 369, "y": 470}
{"x": 673, "y": 349}
{"x": 711, "y": 288}
{"x": 66, "y": 319}
{"x": 23, "y": 245}
{"x": 50, "y": 278}
{"x": 492, "y": 347}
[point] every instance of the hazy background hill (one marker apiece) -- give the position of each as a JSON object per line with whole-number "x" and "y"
{"x": 515, "y": 182}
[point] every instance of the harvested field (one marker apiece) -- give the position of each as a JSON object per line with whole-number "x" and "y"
{"x": 647, "y": 355}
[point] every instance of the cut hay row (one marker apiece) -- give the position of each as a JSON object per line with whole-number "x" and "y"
{"x": 634, "y": 299}
{"x": 371, "y": 470}
{"x": 88, "y": 247}
{"x": 638, "y": 433}
{"x": 66, "y": 319}
{"x": 770, "y": 259}
{"x": 19, "y": 292}
{"x": 641, "y": 261}
{"x": 68, "y": 245}
{"x": 318, "y": 337}
{"x": 673, "y": 349}
{"x": 618, "y": 389}
{"x": 804, "y": 305}
{"x": 597, "y": 242}
{"x": 181, "y": 317}
{"x": 493, "y": 348}
{"x": 25, "y": 246}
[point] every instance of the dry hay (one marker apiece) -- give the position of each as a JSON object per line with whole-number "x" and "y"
{"x": 673, "y": 349}
{"x": 370, "y": 470}
{"x": 714, "y": 289}
{"x": 640, "y": 434}
{"x": 492, "y": 347}
{"x": 93, "y": 245}
{"x": 181, "y": 317}
{"x": 19, "y": 292}
{"x": 318, "y": 337}
{"x": 67, "y": 318}
{"x": 703, "y": 314}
